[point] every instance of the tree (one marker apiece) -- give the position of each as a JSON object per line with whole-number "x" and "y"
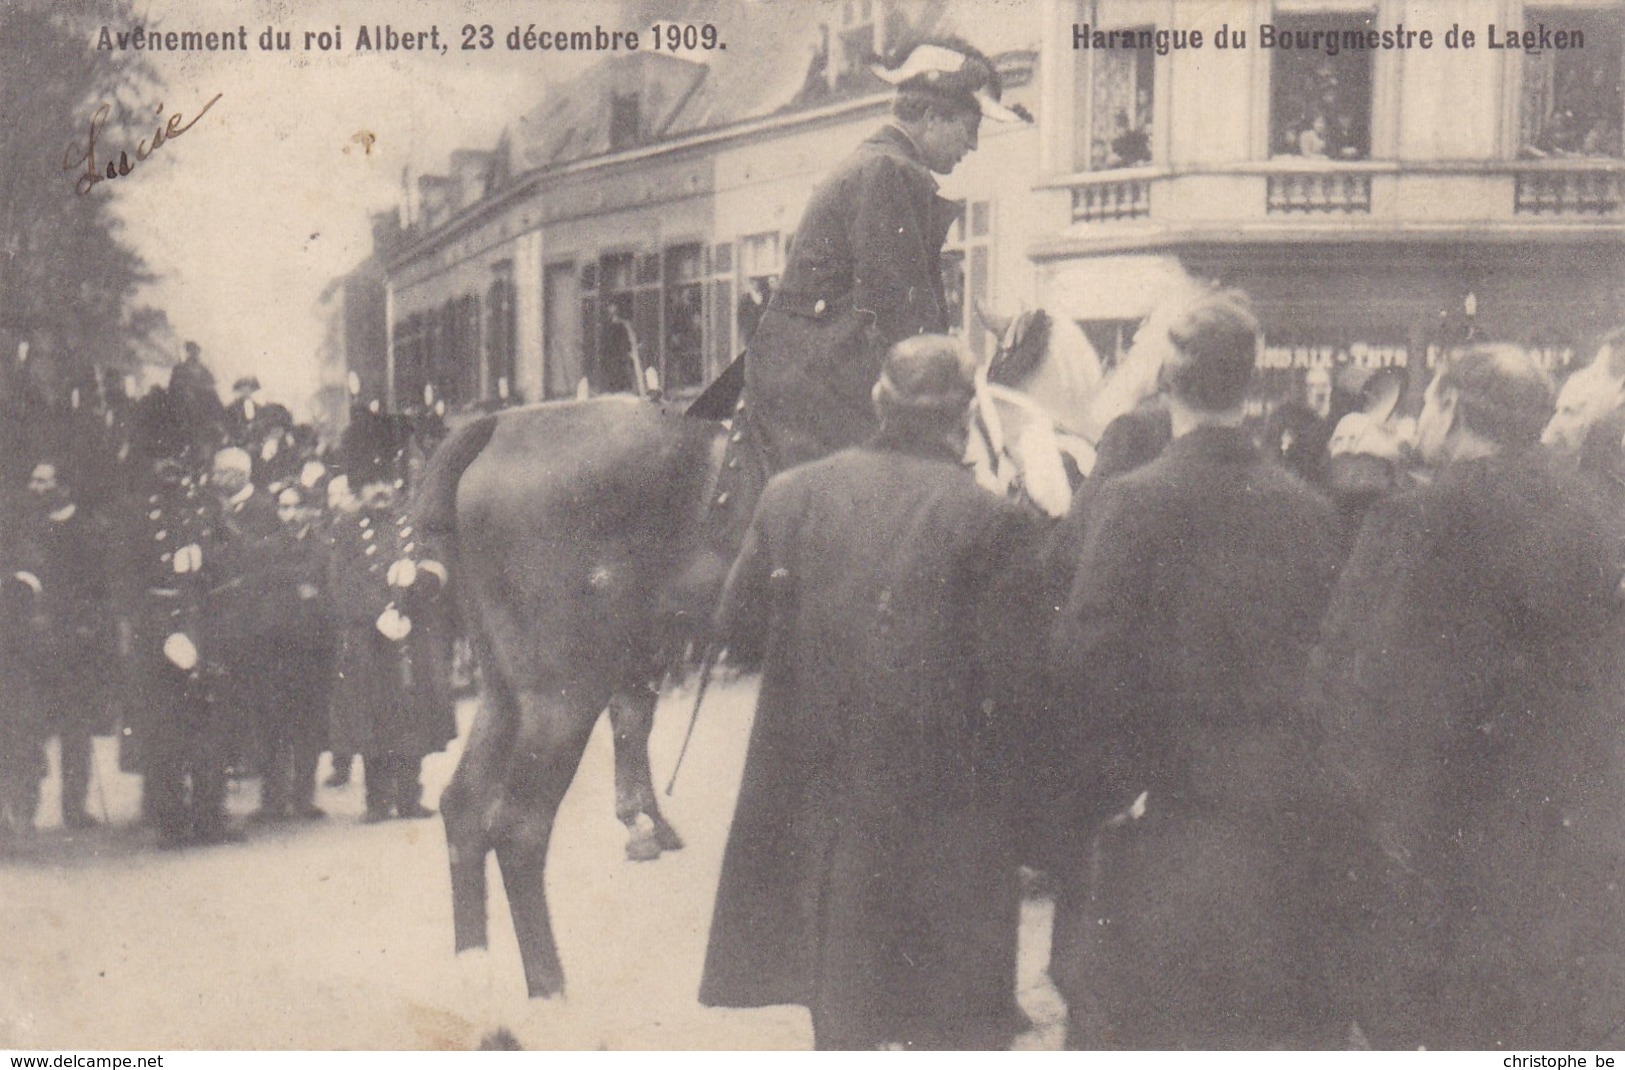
{"x": 66, "y": 277}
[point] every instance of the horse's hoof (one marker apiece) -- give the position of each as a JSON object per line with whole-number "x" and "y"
{"x": 500, "y": 1039}
{"x": 667, "y": 837}
{"x": 642, "y": 847}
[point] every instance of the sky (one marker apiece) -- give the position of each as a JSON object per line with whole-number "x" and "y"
{"x": 249, "y": 214}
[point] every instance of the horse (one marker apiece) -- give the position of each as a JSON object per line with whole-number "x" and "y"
{"x": 571, "y": 528}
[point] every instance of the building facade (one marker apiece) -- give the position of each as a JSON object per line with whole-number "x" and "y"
{"x": 1379, "y": 200}
{"x": 626, "y": 233}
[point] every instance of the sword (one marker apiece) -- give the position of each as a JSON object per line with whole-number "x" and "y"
{"x": 712, "y": 651}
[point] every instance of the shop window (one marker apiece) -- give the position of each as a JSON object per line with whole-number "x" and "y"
{"x": 965, "y": 273}
{"x": 501, "y": 343}
{"x": 453, "y": 353}
{"x": 1320, "y": 105}
{"x": 1573, "y": 102}
{"x": 682, "y": 350}
{"x": 411, "y": 364}
{"x": 562, "y": 323}
{"x": 760, "y": 262}
{"x": 719, "y": 296}
{"x": 1114, "y": 106}
{"x": 611, "y": 363}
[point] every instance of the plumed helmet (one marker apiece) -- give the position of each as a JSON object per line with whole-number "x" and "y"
{"x": 370, "y": 447}
{"x": 927, "y": 373}
{"x": 949, "y": 68}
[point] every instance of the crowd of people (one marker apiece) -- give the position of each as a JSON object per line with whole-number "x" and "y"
{"x": 228, "y": 596}
{"x": 1312, "y": 724}
{"x": 1307, "y": 762}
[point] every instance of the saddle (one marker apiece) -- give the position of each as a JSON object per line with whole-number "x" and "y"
{"x": 737, "y": 472}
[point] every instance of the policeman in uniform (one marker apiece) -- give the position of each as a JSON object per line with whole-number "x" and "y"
{"x": 392, "y": 700}
{"x": 169, "y": 568}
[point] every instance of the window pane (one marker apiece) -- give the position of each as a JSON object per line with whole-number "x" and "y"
{"x": 1120, "y": 106}
{"x": 1573, "y": 100}
{"x": 1320, "y": 105}
{"x": 685, "y": 311}
{"x": 953, "y": 288}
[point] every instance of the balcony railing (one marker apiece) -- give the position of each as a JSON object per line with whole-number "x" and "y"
{"x": 1128, "y": 198}
{"x": 1577, "y": 192}
{"x": 1321, "y": 192}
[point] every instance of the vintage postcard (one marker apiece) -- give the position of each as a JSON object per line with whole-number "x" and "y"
{"x": 387, "y": 389}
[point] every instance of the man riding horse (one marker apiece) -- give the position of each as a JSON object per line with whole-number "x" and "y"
{"x": 865, "y": 269}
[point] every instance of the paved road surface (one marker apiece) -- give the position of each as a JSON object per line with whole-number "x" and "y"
{"x": 338, "y": 935}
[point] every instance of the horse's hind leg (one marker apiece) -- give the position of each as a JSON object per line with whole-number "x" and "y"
{"x": 631, "y": 714}
{"x": 546, "y": 750}
{"x": 467, "y": 803}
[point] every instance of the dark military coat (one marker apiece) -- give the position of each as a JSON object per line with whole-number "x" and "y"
{"x": 169, "y": 518}
{"x": 73, "y": 650}
{"x": 1469, "y": 685}
{"x": 1180, "y": 655}
{"x": 391, "y": 696}
{"x": 864, "y": 272}
{"x": 870, "y": 873}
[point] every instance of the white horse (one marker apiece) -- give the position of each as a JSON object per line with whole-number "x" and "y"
{"x": 1588, "y": 396}
{"x": 1043, "y": 402}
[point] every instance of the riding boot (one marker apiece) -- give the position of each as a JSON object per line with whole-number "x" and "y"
{"x": 302, "y": 786}
{"x": 275, "y": 782}
{"x": 378, "y": 778}
{"x": 340, "y": 775}
{"x": 77, "y": 754}
{"x": 409, "y": 788}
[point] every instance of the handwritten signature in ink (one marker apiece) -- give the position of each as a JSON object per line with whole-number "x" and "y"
{"x": 93, "y": 171}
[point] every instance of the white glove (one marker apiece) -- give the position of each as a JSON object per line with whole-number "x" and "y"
{"x": 181, "y": 651}
{"x": 402, "y": 573}
{"x": 188, "y": 558}
{"x": 393, "y": 624}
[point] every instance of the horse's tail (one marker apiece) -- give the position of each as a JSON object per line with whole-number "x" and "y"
{"x": 434, "y": 507}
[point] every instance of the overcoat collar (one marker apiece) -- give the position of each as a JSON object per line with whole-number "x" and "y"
{"x": 916, "y": 443}
{"x": 1231, "y": 444}
{"x": 894, "y": 138}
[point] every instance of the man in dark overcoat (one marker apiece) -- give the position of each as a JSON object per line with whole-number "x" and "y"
{"x": 870, "y": 873}
{"x": 392, "y": 700}
{"x": 65, "y": 548}
{"x": 242, "y": 517}
{"x": 1468, "y": 680}
{"x": 865, "y": 269}
{"x": 1185, "y": 914}
{"x": 287, "y": 581}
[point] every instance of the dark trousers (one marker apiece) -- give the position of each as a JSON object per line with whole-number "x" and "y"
{"x": 184, "y": 789}
{"x": 293, "y": 726}
{"x": 73, "y": 703}
{"x": 393, "y": 782}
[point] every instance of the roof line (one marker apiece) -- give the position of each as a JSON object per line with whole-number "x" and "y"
{"x": 531, "y": 180}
